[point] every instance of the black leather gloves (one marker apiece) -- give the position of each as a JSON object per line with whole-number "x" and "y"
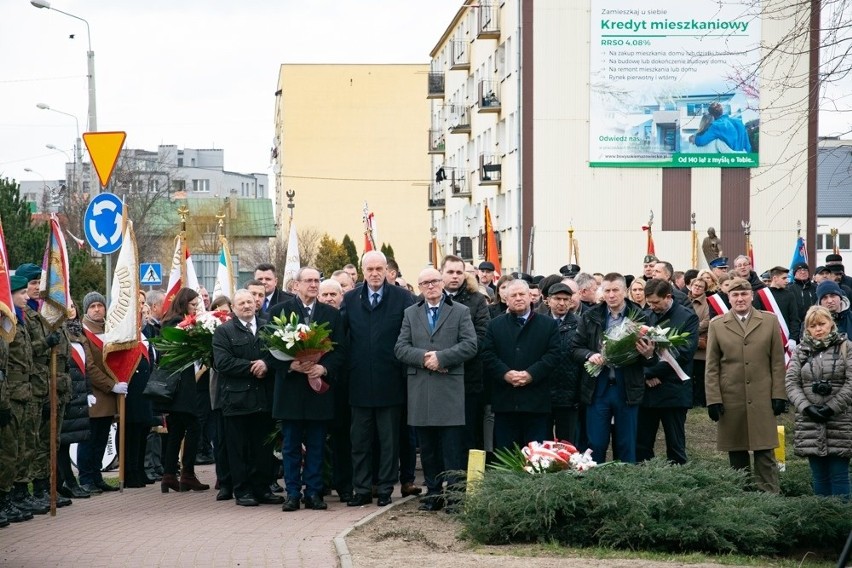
{"x": 715, "y": 411}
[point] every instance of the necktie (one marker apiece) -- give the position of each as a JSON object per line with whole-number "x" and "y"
{"x": 521, "y": 321}
{"x": 265, "y": 304}
{"x": 433, "y": 318}
{"x": 307, "y": 314}
{"x": 742, "y": 319}
{"x": 375, "y": 301}
{"x": 249, "y": 328}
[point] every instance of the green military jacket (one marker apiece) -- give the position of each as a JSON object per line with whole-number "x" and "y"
{"x": 20, "y": 365}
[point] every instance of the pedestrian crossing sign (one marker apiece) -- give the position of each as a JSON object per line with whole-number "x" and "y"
{"x": 151, "y": 274}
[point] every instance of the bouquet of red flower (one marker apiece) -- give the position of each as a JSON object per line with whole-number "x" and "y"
{"x": 619, "y": 344}
{"x": 550, "y": 456}
{"x": 190, "y": 341}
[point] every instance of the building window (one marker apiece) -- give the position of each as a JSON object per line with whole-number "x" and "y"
{"x": 201, "y": 185}
{"x": 153, "y": 185}
{"x": 825, "y": 242}
{"x": 260, "y": 191}
{"x": 178, "y": 185}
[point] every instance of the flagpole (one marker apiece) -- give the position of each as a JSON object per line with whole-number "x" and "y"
{"x": 694, "y": 242}
{"x": 54, "y": 402}
{"x": 183, "y": 212}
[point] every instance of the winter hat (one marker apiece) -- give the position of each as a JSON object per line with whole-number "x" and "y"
{"x": 18, "y": 282}
{"x": 828, "y": 287}
{"x": 29, "y": 271}
{"x": 91, "y": 298}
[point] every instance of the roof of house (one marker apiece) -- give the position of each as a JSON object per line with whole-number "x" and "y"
{"x": 249, "y": 217}
{"x": 834, "y": 181}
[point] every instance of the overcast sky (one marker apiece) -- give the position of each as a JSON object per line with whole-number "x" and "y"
{"x": 194, "y": 73}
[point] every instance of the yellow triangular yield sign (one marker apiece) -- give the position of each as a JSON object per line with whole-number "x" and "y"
{"x": 104, "y": 148}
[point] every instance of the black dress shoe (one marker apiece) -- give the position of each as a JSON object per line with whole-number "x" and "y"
{"x": 247, "y": 501}
{"x": 269, "y": 499}
{"x": 360, "y": 499}
{"x": 291, "y": 504}
{"x": 225, "y": 494}
{"x": 276, "y": 488}
{"x": 77, "y": 492}
{"x": 345, "y": 496}
{"x": 315, "y": 502}
{"x": 104, "y": 486}
{"x": 384, "y": 499}
{"x": 91, "y": 489}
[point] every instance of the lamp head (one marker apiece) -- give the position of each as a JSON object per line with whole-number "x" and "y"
{"x": 40, "y": 4}
{"x": 43, "y": 106}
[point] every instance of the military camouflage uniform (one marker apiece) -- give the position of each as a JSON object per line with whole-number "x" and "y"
{"x": 13, "y": 438}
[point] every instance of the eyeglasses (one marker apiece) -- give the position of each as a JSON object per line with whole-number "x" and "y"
{"x": 429, "y": 283}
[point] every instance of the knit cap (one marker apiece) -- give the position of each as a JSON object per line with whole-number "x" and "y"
{"x": 91, "y": 298}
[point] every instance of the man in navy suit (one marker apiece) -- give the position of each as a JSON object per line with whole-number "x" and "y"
{"x": 520, "y": 351}
{"x": 305, "y": 412}
{"x": 372, "y": 317}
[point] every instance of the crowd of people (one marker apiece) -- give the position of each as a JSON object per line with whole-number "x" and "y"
{"x": 465, "y": 359}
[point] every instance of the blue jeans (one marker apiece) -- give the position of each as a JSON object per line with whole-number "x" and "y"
{"x": 608, "y": 402}
{"x": 830, "y": 475}
{"x": 311, "y": 433}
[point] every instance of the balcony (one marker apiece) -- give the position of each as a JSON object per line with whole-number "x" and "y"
{"x": 458, "y": 117}
{"x": 459, "y": 55}
{"x": 489, "y": 97}
{"x": 490, "y": 169}
{"x": 487, "y": 21}
{"x": 458, "y": 184}
{"x": 437, "y": 142}
{"x": 436, "y": 201}
{"x": 436, "y": 85}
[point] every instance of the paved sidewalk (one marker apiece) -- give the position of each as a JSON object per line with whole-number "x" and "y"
{"x": 144, "y": 527}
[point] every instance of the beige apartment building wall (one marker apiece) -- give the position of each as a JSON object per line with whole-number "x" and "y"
{"x": 354, "y": 133}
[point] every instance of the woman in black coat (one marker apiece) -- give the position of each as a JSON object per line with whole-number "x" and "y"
{"x": 138, "y": 419}
{"x": 75, "y": 421}
{"x": 182, "y": 421}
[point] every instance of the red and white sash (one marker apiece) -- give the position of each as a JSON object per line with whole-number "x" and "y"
{"x": 718, "y": 304}
{"x": 78, "y": 354}
{"x": 768, "y": 301}
{"x": 96, "y": 339}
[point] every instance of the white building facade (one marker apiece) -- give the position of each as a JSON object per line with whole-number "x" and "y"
{"x": 511, "y": 93}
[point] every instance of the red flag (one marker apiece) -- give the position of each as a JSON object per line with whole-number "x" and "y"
{"x": 369, "y": 230}
{"x": 750, "y": 253}
{"x": 649, "y": 249}
{"x": 491, "y": 252}
{"x": 181, "y": 260}
{"x": 7, "y": 307}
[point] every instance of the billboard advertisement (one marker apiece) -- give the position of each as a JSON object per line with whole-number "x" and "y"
{"x": 674, "y": 84}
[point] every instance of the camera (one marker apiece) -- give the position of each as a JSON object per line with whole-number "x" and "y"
{"x": 822, "y": 388}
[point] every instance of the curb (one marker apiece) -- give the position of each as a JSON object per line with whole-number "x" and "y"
{"x": 344, "y": 558}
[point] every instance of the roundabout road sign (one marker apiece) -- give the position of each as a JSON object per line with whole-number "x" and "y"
{"x": 103, "y": 223}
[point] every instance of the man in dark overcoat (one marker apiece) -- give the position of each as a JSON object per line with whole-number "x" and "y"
{"x": 305, "y": 412}
{"x": 372, "y": 318}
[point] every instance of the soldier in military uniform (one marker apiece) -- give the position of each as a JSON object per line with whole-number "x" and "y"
{"x": 16, "y": 503}
{"x": 37, "y": 469}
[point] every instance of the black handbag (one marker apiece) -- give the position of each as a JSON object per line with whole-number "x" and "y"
{"x": 162, "y": 386}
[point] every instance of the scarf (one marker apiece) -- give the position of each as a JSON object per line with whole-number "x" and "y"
{"x": 74, "y": 327}
{"x": 816, "y": 345}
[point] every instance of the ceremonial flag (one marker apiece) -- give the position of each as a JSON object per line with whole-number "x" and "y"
{"x": 7, "y": 308}
{"x": 182, "y": 274}
{"x": 750, "y": 254}
{"x": 369, "y": 230}
{"x": 435, "y": 251}
{"x": 224, "y": 273}
{"x": 292, "y": 263}
{"x": 649, "y": 247}
{"x": 54, "y": 288}
{"x": 491, "y": 253}
{"x": 121, "y": 329}
{"x": 800, "y": 254}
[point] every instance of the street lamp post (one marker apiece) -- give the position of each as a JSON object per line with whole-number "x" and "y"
{"x": 50, "y": 192}
{"x": 78, "y": 150}
{"x": 90, "y": 61}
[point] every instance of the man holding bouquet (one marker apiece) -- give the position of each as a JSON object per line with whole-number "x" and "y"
{"x": 667, "y": 397}
{"x": 614, "y": 395}
{"x": 305, "y": 412}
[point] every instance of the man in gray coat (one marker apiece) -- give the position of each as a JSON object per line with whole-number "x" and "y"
{"x": 436, "y": 339}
